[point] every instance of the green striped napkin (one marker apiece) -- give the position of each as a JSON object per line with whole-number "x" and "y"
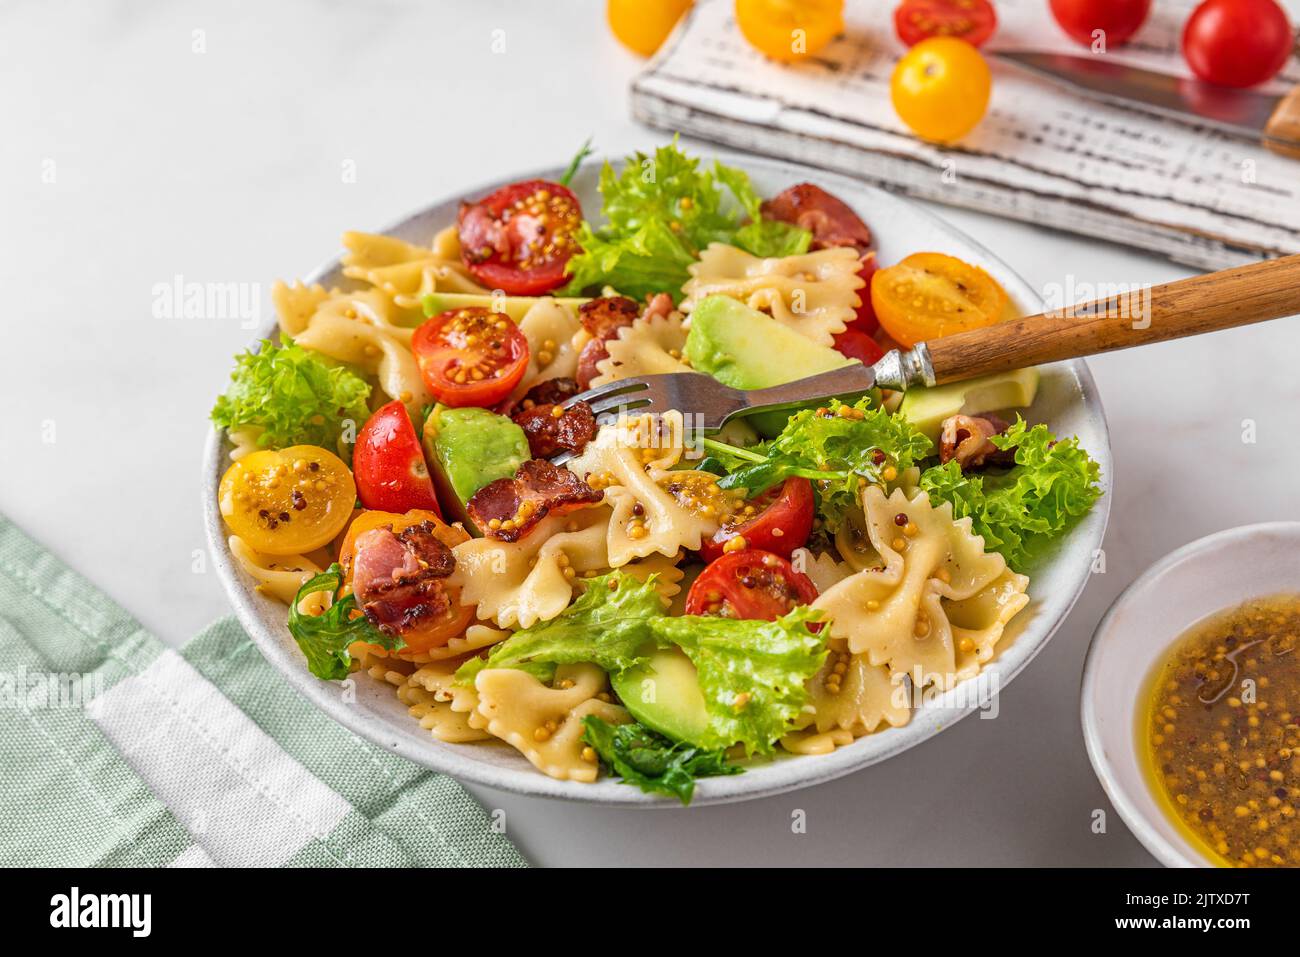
{"x": 119, "y": 751}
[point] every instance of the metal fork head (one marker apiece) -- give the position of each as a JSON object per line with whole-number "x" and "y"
{"x": 704, "y": 398}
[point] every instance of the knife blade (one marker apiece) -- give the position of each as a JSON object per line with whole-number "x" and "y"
{"x": 1266, "y": 117}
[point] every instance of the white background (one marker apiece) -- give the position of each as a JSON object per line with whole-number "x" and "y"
{"x": 226, "y": 166}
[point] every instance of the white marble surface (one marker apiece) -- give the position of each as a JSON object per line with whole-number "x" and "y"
{"x": 228, "y": 165}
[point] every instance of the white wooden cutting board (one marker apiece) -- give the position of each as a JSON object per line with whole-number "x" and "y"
{"x": 1042, "y": 154}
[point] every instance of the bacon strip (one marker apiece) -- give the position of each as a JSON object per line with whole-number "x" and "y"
{"x": 398, "y": 578}
{"x": 827, "y": 217}
{"x": 509, "y": 508}
{"x": 550, "y": 431}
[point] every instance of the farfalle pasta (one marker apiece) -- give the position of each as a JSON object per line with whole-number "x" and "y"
{"x": 650, "y": 346}
{"x": 815, "y": 294}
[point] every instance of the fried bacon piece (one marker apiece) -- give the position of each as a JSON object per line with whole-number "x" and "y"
{"x": 397, "y": 578}
{"x": 551, "y": 428}
{"x": 827, "y": 217}
{"x": 602, "y": 318}
{"x": 549, "y": 392}
{"x": 509, "y": 508}
{"x": 966, "y": 439}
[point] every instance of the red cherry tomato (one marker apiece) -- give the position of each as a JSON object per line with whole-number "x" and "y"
{"x": 749, "y": 584}
{"x": 858, "y": 345}
{"x": 1237, "y": 42}
{"x": 971, "y": 20}
{"x": 470, "y": 356}
{"x": 520, "y": 238}
{"x": 1117, "y": 19}
{"x": 389, "y": 466}
{"x": 781, "y": 521}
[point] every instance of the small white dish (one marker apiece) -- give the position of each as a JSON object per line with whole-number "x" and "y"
{"x": 1209, "y": 575}
{"x": 1067, "y": 400}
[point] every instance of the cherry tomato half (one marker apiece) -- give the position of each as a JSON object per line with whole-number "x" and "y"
{"x": 470, "y": 356}
{"x": 971, "y": 20}
{"x": 929, "y": 295}
{"x": 1237, "y": 42}
{"x": 780, "y": 520}
{"x": 749, "y": 583}
{"x": 940, "y": 89}
{"x": 1112, "y": 21}
{"x": 856, "y": 344}
{"x": 388, "y": 463}
{"x": 790, "y": 30}
{"x": 287, "y": 501}
{"x": 520, "y": 238}
{"x": 643, "y": 25}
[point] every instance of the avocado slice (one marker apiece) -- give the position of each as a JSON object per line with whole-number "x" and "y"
{"x": 746, "y": 349}
{"x": 927, "y": 408}
{"x": 513, "y": 306}
{"x": 468, "y": 448}
{"x": 664, "y": 695}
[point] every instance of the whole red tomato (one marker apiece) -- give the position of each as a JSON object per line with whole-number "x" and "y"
{"x": 1116, "y": 19}
{"x": 1237, "y": 42}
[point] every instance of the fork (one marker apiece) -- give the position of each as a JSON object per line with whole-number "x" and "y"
{"x": 1188, "y": 307}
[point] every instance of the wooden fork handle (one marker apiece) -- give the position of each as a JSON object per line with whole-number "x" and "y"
{"x": 1189, "y": 307}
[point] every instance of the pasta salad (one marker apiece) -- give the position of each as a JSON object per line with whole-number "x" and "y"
{"x": 415, "y": 475}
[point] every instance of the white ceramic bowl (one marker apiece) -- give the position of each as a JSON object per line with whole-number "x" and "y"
{"x": 1209, "y": 575}
{"x": 1067, "y": 399}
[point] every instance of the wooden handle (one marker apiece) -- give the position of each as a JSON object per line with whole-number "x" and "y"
{"x": 1189, "y": 307}
{"x": 1282, "y": 133}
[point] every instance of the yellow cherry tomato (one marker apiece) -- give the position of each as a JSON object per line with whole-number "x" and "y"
{"x": 790, "y": 30}
{"x": 930, "y": 295}
{"x": 643, "y": 25}
{"x": 940, "y": 88}
{"x": 287, "y": 501}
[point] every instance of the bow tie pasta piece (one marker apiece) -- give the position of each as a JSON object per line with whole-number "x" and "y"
{"x": 279, "y": 576}
{"x": 822, "y": 569}
{"x": 656, "y": 509}
{"x": 517, "y": 584}
{"x": 669, "y": 582}
{"x": 550, "y": 328}
{"x": 406, "y": 273}
{"x": 814, "y": 294}
{"x": 852, "y": 695}
{"x": 979, "y": 622}
{"x": 431, "y": 697}
{"x": 476, "y": 638}
{"x": 647, "y": 347}
{"x": 545, "y": 723}
{"x": 343, "y": 331}
{"x": 896, "y": 614}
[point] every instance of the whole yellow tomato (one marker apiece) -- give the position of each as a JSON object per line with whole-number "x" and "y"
{"x": 940, "y": 88}
{"x": 643, "y": 25}
{"x": 790, "y": 30}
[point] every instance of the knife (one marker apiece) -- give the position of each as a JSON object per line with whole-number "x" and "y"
{"x": 1265, "y": 118}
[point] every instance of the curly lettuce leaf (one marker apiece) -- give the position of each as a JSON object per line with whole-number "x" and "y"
{"x": 1053, "y": 483}
{"x": 752, "y": 673}
{"x": 608, "y": 626}
{"x": 293, "y": 395}
{"x": 325, "y": 638}
{"x": 836, "y": 448}
{"x": 652, "y": 762}
{"x": 660, "y": 211}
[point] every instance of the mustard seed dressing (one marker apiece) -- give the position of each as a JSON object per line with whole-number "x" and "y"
{"x": 1220, "y": 733}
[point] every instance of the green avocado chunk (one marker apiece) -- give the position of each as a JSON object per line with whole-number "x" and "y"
{"x": 513, "y": 306}
{"x": 745, "y": 349}
{"x": 468, "y": 448}
{"x": 927, "y": 408}
{"x": 664, "y": 694}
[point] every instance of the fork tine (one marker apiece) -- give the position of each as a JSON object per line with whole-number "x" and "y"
{"x": 618, "y": 387}
{"x": 621, "y": 403}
